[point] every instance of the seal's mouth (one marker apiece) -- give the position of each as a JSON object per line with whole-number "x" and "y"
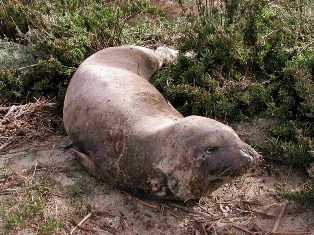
{"x": 248, "y": 159}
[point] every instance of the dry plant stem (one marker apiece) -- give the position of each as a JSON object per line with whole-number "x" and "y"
{"x": 143, "y": 202}
{"x": 86, "y": 229}
{"x": 262, "y": 213}
{"x": 204, "y": 229}
{"x": 3, "y": 109}
{"x": 247, "y": 186}
{"x": 80, "y": 223}
{"x": 192, "y": 211}
{"x": 213, "y": 224}
{"x": 204, "y": 209}
{"x": 175, "y": 215}
{"x": 281, "y": 214}
{"x": 147, "y": 204}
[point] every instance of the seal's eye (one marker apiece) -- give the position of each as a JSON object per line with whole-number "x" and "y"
{"x": 209, "y": 149}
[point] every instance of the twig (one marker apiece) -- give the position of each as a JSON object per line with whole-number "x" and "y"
{"x": 175, "y": 215}
{"x": 247, "y": 186}
{"x": 281, "y": 214}
{"x": 8, "y": 191}
{"x": 28, "y": 66}
{"x": 86, "y": 229}
{"x": 80, "y": 223}
{"x": 204, "y": 209}
{"x": 142, "y": 202}
{"x": 206, "y": 216}
{"x": 147, "y": 204}
{"x": 214, "y": 224}
{"x": 255, "y": 211}
{"x": 204, "y": 229}
{"x": 262, "y": 213}
{"x": 3, "y": 109}
{"x": 243, "y": 230}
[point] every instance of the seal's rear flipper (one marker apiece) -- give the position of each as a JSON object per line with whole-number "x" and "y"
{"x": 85, "y": 160}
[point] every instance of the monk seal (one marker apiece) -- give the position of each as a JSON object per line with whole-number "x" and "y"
{"x": 133, "y": 139}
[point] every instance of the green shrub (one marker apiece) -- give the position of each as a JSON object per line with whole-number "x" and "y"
{"x": 250, "y": 59}
{"x": 60, "y": 35}
{"x": 305, "y": 196}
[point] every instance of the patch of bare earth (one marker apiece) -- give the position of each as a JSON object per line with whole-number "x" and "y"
{"x": 45, "y": 190}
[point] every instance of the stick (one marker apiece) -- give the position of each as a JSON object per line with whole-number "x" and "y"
{"x": 175, "y": 215}
{"x": 3, "y": 109}
{"x": 247, "y": 186}
{"x": 147, "y": 204}
{"x": 262, "y": 213}
{"x": 192, "y": 211}
{"x": 80, "y": 223}
{"x": 281, "y": 214}
{"x": 214, "y": 224}
{"x": 142, "y": 202}
{"x": 86, "y": 229}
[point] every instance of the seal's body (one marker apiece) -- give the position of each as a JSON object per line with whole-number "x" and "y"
{"x": 136, "y": 141}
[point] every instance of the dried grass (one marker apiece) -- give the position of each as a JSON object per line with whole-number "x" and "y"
{"x": 24, "y": 124}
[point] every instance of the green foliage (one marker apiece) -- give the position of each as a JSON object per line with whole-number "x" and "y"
{"x": 250, "y": 58}
{"x": 287, "y": 152}
{"x": 49, "y": 226}
{"x": 59, "y": 35}
{"x": 305, "y": 196}
{"x": 30, "y": 207}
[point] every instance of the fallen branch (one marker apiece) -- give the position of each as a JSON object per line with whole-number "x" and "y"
{"x": 262, "y": 213}
{"x": 143, "y": 202}
{"x": 247, "y": 186}
{"x": 175, "y": 215}
{"x": 86, "y": 229}
{"x": 80, "y": 223}
{"x": 206, "y": 216}
{"x": 4, "y": 109}
{"x": 256, "y": 212}
{"x": 213, "y": 224}
{"x": 281, "y": 214}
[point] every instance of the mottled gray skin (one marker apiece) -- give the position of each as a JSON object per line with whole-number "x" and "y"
{"x": 134, "y": 140}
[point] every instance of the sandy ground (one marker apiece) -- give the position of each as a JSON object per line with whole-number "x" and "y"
{"x": 248, "y": 205}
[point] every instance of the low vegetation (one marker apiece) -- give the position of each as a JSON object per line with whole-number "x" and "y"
{"x": 239, "y": 60}
{"x": 242, "y": 60}
{"x": 28, "y": 208}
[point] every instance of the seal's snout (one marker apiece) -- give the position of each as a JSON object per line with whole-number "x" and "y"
{"x": 249, "y": 156}
{"x": 246, "y": 154}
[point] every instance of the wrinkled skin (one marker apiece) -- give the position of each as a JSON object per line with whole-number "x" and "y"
{"x": 134, "y": 140}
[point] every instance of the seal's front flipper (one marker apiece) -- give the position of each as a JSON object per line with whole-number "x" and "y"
{"x": 85, "y": 160}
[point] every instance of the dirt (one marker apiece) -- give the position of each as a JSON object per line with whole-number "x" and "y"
{"x": 248, "y": 205}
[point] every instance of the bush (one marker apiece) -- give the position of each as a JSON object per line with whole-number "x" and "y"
{"x": 250, "y": 59}
{"x": 60, "y": 35}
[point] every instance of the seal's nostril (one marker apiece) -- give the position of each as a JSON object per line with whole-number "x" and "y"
{"x": 245, "y": 153}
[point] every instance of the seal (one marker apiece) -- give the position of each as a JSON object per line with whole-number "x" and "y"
{"x": 133, "y": 139}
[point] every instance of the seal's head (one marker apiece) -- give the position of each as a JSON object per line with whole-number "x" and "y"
{"x": 200, "y": 154}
